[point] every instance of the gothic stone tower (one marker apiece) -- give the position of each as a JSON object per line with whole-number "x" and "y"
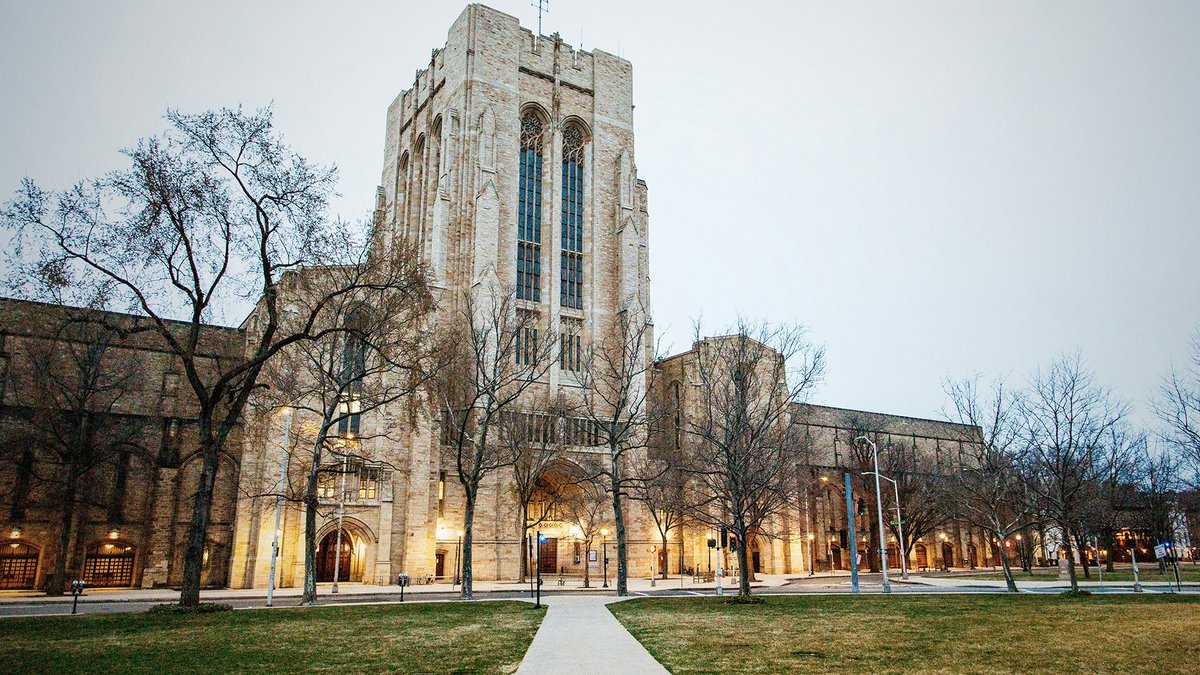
{"x": 509, "y": 163}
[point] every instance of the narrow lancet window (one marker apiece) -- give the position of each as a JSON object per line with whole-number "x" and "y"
{"x": 529, "y": 211}
{"x": 571, "y": 294}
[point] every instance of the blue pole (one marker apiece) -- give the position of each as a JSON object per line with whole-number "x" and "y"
{"x": 853, "y": 541}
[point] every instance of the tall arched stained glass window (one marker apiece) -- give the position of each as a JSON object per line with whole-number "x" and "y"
{"x": 350, "y": 379}
{"x": 571, "y": 294}
{"x": 529, "y": 210}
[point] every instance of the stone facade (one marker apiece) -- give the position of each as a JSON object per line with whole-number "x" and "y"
{"x": 569, "y": 232}
{"x": 134, "y": 505}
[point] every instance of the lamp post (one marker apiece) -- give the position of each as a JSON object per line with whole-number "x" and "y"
{"x": 337, "y": 558}
{"x": 287, "y": 433}
{"x": 887, "y": 587}
{"x": 900, "y": 525}
{"x": 604, "y": 545}
{"x": 538, "y": 603}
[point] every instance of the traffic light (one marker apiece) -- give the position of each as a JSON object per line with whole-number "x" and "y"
{"x": 862, "y": 506}
{"x": 733, "y": 543}
{"x": 724, "y": 538}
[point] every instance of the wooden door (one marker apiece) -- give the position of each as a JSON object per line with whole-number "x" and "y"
{"x": 548, "y": 556}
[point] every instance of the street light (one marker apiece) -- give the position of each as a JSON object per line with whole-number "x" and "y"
{"x": 887, "y": 587}
{"x": 899, "y": 524}
{"x": 604, "y": 544}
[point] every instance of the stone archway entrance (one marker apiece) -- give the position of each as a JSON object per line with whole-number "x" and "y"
{"x": 18, "y": 565}
{"x": 109, "y": 564}
{"x": 330, "y": 557}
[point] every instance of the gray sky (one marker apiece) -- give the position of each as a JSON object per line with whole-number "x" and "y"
{"x": 936, "y": 188}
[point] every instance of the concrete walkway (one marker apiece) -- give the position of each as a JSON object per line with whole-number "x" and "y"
{"x": 580, "y": 636}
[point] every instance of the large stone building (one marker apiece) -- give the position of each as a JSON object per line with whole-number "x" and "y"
{"x": 503, "y": 132}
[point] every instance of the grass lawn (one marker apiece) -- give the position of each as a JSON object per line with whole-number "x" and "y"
{"x": 1146, "y": 574}
{"x": 926, "y": 634}
{"x": 420, "y": 637}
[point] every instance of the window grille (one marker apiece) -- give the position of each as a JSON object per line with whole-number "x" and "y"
{"x": 571, "y": 288}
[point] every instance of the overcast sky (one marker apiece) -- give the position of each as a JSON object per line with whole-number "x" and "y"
{"x": 936, "y": 188}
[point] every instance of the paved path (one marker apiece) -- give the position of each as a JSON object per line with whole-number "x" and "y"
{"x": 580, "y": 636}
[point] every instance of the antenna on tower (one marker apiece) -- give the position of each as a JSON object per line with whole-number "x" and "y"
{"x": 543, "y": 7}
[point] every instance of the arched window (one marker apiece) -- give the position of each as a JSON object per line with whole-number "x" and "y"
{"x": 529, "y": 210}
{"x": 109, "y": 564}
{"x": 350, "y": 379}
{"x": 18, "y": 565}
{"x": 572, "y": 218}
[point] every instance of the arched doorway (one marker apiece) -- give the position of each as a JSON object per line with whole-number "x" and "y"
{"x": 835, "y": 556}
{"x": 18, "y": 565}
{"x": 439, "y": 570}
{"x": 756, "y": 558}
{"x": 922, "y": 557}
{"x": 330, "y": 557}
{"x": 109, "y": 564}
{"x": 947, "y": 554}
{"x": 893, "y": 555}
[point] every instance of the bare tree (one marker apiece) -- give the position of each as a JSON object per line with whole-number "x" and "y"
{"x": 372, "y": 352}
{"x": 1114, "y": 493}
{"x": 991, "y": 488}
{"x": 70, "y": 396}
{"x": 740, "y": 428}
{"x": 213, "y": 211}
{"x": 1067, "y": 419}
{"x": 922, "y": 507}
{"x": 499, "y": 354}
{"x": 586, "y": 504}
{"x": 663, "y": 493}
{"x": 532, "y": 445}
{"x": 615, "y": 405}
{"x": 1178, "y": 406}
{"x": 1160, "y": 485}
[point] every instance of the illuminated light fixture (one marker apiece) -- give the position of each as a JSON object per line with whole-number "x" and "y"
{"x": 1018, "y": 537}
{"x": 15, "y": 534}
{"x": 604, "y": 532}
{"x": 114, "y": 534}
{"x": 14, "y": 544}
{"x": 108, "y": 546}
{"x": 460, "y": 534}
{"x": 811, "y": 536}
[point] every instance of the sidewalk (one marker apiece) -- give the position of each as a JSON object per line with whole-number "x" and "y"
{"x": 974, "y": 582}
{"x": 549, "y": 585}
{"x": 580, "y": 636}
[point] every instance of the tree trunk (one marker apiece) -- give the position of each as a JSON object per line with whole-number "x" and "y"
{"x": 619, "y": 525}
{"x": 665, "y": 555}
{"x": 310, "y": 521}
{"x": 193, "y": 556}
{"x": 1008, "y": 577}
{"x": 523, "y": 544}
{"x": 739, "y": 527}
{"x": 57, "y": 583}
{"x": 1082, "y": 546}
{"x": 587, "y": 548}
{"x": 1070, "y": 559}
{"x": 468, "y": 533}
